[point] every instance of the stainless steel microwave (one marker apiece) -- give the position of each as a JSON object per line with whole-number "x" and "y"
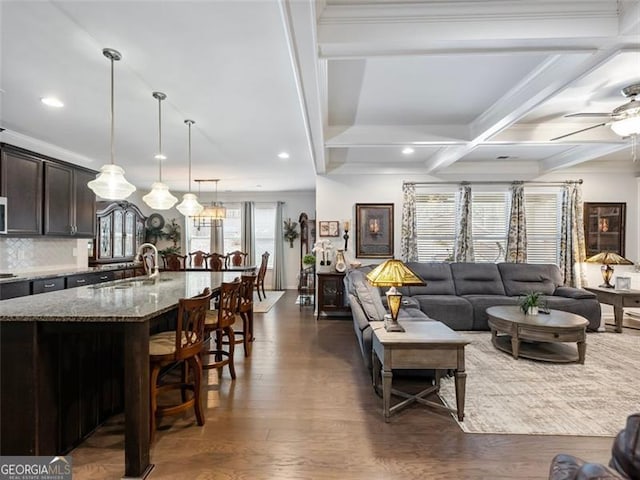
{"x": 3, "y": 215}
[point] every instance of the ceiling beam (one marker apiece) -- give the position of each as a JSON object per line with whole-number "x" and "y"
{"x": 579, "y": 154}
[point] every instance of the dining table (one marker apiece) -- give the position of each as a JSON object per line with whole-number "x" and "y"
{"x": 30, "y": 385}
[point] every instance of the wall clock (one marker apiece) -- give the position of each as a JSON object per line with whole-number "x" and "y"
{"x": 155, "y": 221}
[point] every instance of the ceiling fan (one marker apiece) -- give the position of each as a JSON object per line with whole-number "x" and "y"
{"x": 624, "y": 120}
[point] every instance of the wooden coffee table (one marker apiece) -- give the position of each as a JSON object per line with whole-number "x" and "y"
{"x": 423, "y": 345}
{"x": 544, "y": 335}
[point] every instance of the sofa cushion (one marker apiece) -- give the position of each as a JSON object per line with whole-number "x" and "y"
{"x": 360, "y": 319}
{"x": 477, "y": 279}
{"x": 455, "y": 312}
{"x": 368, "y": 296}
{"x": 482, "y": 302}
{"x": 521, "y": 279}
{"x": 437, "y": 276}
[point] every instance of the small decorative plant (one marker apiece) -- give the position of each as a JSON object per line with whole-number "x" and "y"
{"x": 531, "y": 303}
{"x": 309, "y": 259}
{"x": 290, "y": 232}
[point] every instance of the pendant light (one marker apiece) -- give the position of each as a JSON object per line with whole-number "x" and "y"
{"x": 110, "y": 182}
{"x": 159, "y": 198}
{"x": 211, "y": 213}
{"x": 189, "y": 207}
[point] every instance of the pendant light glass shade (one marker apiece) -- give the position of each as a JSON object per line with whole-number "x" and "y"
{"x": 159, "y": 198}
{"x": 110, "y": 182}
{"x": 189, "y": 207}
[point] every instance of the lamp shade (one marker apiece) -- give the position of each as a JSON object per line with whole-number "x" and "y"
{"x": 393, "y": 273}
{"x": 627, "y": 126}
{"x": 609, "y": 258}
{"x": 189, "y": 207}
{"x": 214, "y": 211}
{"x": 159, "y": 198}
{"x": 111, "y": 184}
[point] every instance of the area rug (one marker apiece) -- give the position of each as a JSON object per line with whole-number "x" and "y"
{"x": 264, "y": 305}
{"x": 505, "y": 395}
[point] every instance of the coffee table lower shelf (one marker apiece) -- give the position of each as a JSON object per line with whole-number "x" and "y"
{"x": 542, "y": 351}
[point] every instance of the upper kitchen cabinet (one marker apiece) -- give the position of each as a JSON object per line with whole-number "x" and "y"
{"x": 69, "y": 205}
{"x": 21, "y": 182}
{"x": 46, "y": 196}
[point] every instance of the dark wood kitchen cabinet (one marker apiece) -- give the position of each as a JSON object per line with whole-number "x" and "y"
{"x": 21, "y": 183}
{"x": 45, "y": 195}
{"x": 69, "y": 205}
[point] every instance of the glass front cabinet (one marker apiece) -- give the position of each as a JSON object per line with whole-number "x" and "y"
{"x": 604, "y": 227}
{"x": 120, "y": 231}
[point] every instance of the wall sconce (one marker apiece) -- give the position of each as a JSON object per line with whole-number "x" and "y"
{"x": 345, "y": 227}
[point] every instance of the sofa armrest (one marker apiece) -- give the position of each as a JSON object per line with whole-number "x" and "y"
{"x": 568, "y": 467}
{"x": 571, "y": 292}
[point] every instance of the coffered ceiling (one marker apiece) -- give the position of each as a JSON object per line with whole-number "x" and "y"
{"x": 475, "y": 87}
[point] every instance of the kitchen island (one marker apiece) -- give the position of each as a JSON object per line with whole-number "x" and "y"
{"x": 69, "y": 357}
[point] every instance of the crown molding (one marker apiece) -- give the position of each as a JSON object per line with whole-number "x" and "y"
{"x": 45, "y": 148}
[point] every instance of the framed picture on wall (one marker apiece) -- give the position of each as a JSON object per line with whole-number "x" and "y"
{"x": 604, "y": 227}
{"x": 329, "y": 229}
{"x": 374, "y": 230}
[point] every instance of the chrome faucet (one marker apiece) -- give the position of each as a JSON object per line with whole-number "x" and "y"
{"x": 156, "y": 270}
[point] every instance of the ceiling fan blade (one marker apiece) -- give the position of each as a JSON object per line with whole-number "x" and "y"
{"x": 578, "y": 131}
{"x": 588, "y": 114}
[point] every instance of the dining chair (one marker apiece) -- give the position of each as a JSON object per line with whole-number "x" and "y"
{"x": 216, "y": 262}
{"x": 182, "y": 345}
{"x": 174, "y": 262}
{"x": 237, "y": 258}
{"x": 219, "y": 322}
{"x": 245, "y": 311}
{"x": 262, "y": 272}
{"x": 198, "y": 259}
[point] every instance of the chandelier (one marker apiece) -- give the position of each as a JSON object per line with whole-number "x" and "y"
{"x": 211, "y": 213}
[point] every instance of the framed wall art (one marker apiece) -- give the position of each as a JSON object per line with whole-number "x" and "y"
{"x": 374, "y": 230}
{"x": 604, "y": 227}
{"x": 328, "y": 229}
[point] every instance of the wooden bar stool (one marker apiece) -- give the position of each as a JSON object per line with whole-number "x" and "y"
{"x": 245, "y": 310}
{"x": 220, "y": 322}
{"x": 184, "y": 346}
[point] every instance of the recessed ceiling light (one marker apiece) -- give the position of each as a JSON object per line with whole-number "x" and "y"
{"x": 160, "y": 156}
{"x": 52, "y": 102}
{"x": 283, "y": 155}
{"x": 408, "y": 150}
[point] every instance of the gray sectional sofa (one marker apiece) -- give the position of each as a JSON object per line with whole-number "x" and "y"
{"x": 458, "y": 294}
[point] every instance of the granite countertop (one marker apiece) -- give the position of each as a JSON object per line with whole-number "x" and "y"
{"x": 63, "y": 272}
{"x": 128, "y": 300}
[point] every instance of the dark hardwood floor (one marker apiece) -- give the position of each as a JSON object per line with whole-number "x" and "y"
{"x": 302, "y": 407}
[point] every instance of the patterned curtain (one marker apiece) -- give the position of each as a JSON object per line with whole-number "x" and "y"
{"x": 247, "y": 236}
{"x": 572, "y": 242}
{"x": 409, "y": 243}
{"x": 517, "y": 234}
{"x": 278, "y": 261}
{"x": 463, "y": 246}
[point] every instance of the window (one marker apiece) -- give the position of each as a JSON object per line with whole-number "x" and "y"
{"x": 232, "y": 231}
{"x": 265, "y": 230}
{"x": 436, "y": 225}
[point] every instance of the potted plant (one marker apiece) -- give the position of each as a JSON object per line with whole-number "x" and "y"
{"x": 309, "y": 259}
{"x": 290, "y": 232}
{"x": 531, "y": 303}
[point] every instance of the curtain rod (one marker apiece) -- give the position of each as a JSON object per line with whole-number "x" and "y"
{"x": 496, "y": 182}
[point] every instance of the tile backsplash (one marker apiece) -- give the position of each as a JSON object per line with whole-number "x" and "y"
{"x": 19, "y": 255}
